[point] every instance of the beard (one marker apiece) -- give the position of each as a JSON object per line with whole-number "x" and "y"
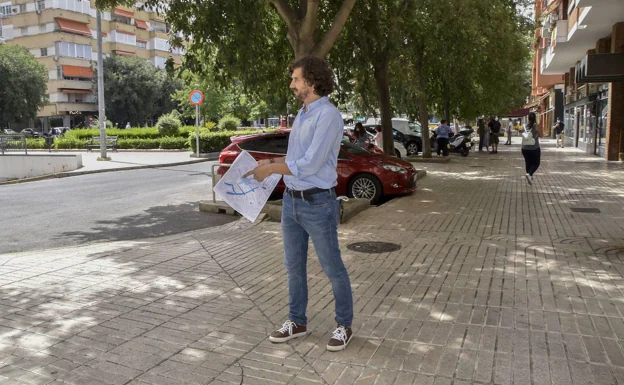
{"x": 301, "y": 94}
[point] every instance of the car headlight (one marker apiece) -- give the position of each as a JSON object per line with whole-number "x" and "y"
{"x": 393, "y": 168}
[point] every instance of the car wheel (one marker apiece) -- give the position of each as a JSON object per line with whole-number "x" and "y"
{"x": 412, "y": 148}
{"x": 397, "y": 153}
{"x": 365, "y": 187}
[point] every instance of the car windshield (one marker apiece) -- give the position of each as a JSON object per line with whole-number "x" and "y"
{"x": 416, "y": 128}
{"x": 353, "y": 149}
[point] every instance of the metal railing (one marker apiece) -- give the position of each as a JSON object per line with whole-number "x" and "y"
{"x": 213, "y": 174}
{"x": 14, "y": 142}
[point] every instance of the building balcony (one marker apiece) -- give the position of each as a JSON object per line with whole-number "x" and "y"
{"x": 66, "y": 107}
{"x": 70, "y": 84}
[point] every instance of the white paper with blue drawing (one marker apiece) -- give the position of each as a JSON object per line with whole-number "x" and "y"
{"x": 245, "y": 195}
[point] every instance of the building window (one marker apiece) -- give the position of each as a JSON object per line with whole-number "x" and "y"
{"x": 44, "y": 52}
{"x": 59, "y": 72}
{"x": 124, "y": 38}
{"x": 42, "y": 29}
{"x": 22, "y": 8}
{"x": 141, "y": 44}
{"x": 5, "y": 11}
{"x": 121, "y": 19}
{"x": 80, "y": 51}
{"x": 41, "y": 5}
{"x": 24, "y": 31}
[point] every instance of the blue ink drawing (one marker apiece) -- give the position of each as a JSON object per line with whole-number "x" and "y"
{"x": 244, "y": 185}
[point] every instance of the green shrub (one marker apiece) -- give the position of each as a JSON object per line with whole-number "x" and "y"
{"x": 229, "y": 123}
{"x": 173, "y": 143}
{"x": 69, "y": 143}
{"x": 168, "y": 125}
{"x": 132, "y": 133}
{"x": 35, "y": 143}
{"x": 216, "y": 141}
{"x": 139, "y": 144}
{"x": 211, "y": 126}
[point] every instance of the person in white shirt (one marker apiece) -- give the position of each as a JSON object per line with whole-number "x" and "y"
{"x": 509, "y": 130}
{"x": 378, "y": 137}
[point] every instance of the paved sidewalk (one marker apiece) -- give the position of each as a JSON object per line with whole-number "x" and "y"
{"x": 497, "y": 282}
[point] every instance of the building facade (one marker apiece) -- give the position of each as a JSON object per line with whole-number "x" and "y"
{"x": 578, "y": 73}
{"x": 61, "y": 34}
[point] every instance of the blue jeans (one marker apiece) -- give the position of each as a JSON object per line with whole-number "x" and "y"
{"x": 316, "y": 217}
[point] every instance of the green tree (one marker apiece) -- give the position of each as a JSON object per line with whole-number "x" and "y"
{"x": 136, "y": 91}
{"x": 23, "y": 84}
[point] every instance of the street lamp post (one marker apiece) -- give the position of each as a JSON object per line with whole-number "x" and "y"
{"x": 100, "y": 80}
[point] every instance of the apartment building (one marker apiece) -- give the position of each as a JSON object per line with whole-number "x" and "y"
{"x": 61, "y": 34}
{"x": 578, "y": 73}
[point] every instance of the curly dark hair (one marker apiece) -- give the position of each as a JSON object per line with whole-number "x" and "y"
{"x": 317, "y": 73}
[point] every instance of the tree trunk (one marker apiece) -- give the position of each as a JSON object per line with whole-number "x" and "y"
{"x": 380, "y": 66}
{"x": 424, "y": 116}
{"x": 447, "y": 104}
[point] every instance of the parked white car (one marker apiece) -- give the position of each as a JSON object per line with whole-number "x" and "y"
{"x": 399, "y": 148}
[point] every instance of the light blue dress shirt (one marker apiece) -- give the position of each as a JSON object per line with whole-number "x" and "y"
{"x": 313, "y": 147}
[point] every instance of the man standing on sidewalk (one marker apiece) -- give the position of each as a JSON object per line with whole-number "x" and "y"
{"x": 509, "y": 130}
{"x": 442, "y": 137}
{"x": 310, "y": 208}
{"x": 494, "y": 126}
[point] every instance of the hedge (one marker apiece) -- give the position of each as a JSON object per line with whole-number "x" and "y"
{"x": 35, "y": 144}
{"x": 132, "y": 133}
{"x": 216, "y": 141}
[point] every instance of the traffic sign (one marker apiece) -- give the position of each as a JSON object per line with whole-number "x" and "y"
{"x": 196, "y": 97}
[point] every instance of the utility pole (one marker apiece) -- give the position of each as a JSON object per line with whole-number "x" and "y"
{"x": 100, "y": 79}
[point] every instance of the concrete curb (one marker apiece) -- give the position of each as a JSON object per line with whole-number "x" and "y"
{"x": 417, "y": 159}
{"x": 273, "y": 209}
{"x": 78, "y": 173}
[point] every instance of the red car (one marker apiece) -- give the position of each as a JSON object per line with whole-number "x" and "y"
{"x": 361, "y": 174}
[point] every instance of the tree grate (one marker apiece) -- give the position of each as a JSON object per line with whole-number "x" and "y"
{"x": 585, "y": 210}
{"x": 374, "y": 247}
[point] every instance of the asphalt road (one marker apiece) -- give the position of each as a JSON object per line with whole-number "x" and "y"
{"x": 108, "y": 206}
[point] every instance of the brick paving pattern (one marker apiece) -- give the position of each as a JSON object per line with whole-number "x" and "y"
{"x": 497, "y": 282}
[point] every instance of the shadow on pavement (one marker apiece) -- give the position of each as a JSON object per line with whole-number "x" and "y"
{"x": 154, "y": 222}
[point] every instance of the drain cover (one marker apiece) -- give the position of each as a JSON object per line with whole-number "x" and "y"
{"x": 374, "y": 247}
{"x": 585, "y": 210}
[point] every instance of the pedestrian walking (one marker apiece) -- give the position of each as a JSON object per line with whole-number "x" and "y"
{"x": 494, "y": 126}
{"x": 509, "y": 130}
{"x": 481, "y": 131}
{"x": 531, "y": 148}
{"x": 559, "y": 128}
{"x": 442, "y": 137}
{"x": 128, "y": 126}
{"x": 310, "y": 208}
{"x": 378, "y": 138}
{"x": 360, "y": 135}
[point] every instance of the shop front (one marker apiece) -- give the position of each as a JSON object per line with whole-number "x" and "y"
{"x": 586, "y": 122}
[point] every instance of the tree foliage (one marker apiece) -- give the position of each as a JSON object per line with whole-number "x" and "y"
{"x": 136, "y": 91}
{"x": 23, "y": 84}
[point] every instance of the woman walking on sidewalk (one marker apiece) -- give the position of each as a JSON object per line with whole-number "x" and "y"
{"x": 531, "y": 148}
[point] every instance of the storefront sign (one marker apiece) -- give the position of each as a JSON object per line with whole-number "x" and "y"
{"x": 75, "y": 112}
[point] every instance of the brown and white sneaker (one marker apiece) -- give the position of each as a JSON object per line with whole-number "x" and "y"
{"x": 340, "y": 339}
{"x": 288, "y": 331}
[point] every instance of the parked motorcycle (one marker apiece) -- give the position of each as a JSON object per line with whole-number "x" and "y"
{"x": 460, "y": 143}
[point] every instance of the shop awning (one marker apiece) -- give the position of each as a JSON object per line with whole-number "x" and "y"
{"x": 122, "y": 12}
{"x": 141, "y": 24}
{"x": 126, "y": 53}
{"x": 78, "y": 72}
{"x": 73, "y": 26}
{"x": 517, "y": 113}
{"x": 141, "y": 41}
{"x": 125, "y": 32}
{"x": 74, "y": 91}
